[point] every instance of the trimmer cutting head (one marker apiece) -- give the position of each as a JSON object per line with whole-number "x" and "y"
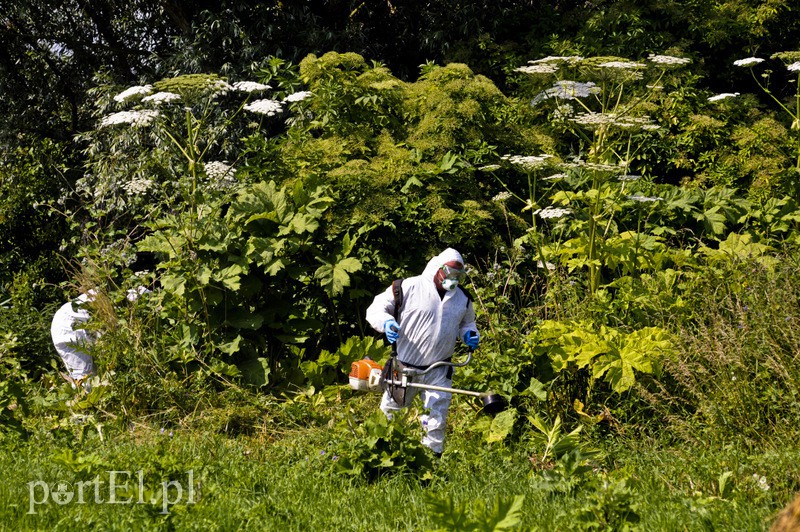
{"x": 493, "y": 403}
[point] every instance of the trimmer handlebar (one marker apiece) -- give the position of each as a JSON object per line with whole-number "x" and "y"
{"x": 441, "y": 363}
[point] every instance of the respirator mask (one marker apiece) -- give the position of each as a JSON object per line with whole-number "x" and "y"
{"x": 452, "y": 277}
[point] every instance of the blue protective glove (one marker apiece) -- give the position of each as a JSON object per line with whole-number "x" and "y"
{"x": 392, "y": 330}
{"x": 471, "y": 338}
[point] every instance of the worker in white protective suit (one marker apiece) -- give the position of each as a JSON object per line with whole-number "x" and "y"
{"x": 71, "y": 341}
{"x": 434, "y": 315}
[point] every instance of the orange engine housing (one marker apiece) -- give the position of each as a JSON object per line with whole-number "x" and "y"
{"x": 360, "y": 371}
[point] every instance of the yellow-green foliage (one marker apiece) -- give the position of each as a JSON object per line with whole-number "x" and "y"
{"x": 330, "y": 64}
{"x": 449, "y": 106}
{"x": 191, "y": 87}
{"x": 759, "y": 153}
{"x": 592, "y": 70}
{"x": 787, "y": 57}
{"x": 396, "y": 151}
{"x": 363, "y": 181}
{"x": 351, "y": 98}
{"x": 316, "y": 156}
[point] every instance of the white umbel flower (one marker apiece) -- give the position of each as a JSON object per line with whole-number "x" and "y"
{"x": 134, "y": 118}
{"x": 162, "y": 97}
{"x": 621, "y": 64}
{"x": 219, "y": 87}
{"x": 644, "y": 199}
{"x": 553, "y": 177}
{"x": 502, "y": 196}
{"x": 250, "y": 86}
{"x": 136, "y": 90}
{"x": 218, "y": 170}
{"x": 563, "y": 112}
{"x": 668, "y": 59}
{"x": 794, "y": 67}
{"x": 265, "y": 107}
{"x": 592, "y": 120}
{"x": 541, "y": 68}
{"x": 297, "y": 96}
{"x": 556, "y": 59}
{"x": 527, "y": 161}
{"x": 748, "y": 61}
{"x": 723, "y": 96}
{"x": 567, "y": 90}
{"x": 551, "y": 212}
{"x": 138, "y": 186}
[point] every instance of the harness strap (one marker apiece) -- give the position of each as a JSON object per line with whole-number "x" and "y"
{"x": 415, "y": 366}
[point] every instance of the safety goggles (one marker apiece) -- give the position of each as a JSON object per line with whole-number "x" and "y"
{"x": 454, "y": 273}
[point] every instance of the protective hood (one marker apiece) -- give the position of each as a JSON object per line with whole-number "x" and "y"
{"x": 438, "y": 261}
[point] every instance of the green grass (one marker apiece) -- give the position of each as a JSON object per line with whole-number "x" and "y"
{"x": 271, "y": 477}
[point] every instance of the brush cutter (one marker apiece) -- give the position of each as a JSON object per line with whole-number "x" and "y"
{"x": 396, "y": 378}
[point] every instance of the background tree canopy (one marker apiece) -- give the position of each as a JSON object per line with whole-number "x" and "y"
{"x": 51, "y": 51}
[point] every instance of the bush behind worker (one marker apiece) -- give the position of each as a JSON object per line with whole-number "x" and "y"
{"x": 434, "y": 315}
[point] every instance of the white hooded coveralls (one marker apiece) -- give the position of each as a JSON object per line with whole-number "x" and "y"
{"x": 430, "y": 326}
{"x": 71, "y": 343}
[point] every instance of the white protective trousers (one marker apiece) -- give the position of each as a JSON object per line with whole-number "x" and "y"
{"x": 71, "y": 343}
{"x": 435, "y": 402}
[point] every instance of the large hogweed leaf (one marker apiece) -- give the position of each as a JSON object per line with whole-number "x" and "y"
{"x": 640, "y": 350}
{"x": 262, "y": 201}
{"x": 737, "y": 247}
{"x": 334, "y": 274}
{"x": 334, "y": 277}
{"x": 608, "y": 353}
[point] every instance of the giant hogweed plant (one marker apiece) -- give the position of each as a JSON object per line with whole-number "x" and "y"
{"x": 588, "y": 212}
{"x": 607, "y": 116}
{"x": 790, "y": 61}
{"x": 240, "y": 268}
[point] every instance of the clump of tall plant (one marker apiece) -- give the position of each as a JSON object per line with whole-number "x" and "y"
{"x": 784, "y": 157}
{"x": 233, "y": 261}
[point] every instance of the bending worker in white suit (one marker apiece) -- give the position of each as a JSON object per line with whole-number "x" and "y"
{"x": 434, "y": 315}
{"x": 72, "y": 342}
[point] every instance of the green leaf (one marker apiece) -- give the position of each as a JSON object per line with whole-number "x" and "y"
{"x": 263, "y": 201}
{"x": 266, "y": 253}
{"x": 301, "y": 223}
{"x": 640, "y": 350}
{"x": 505, "y": 514}
{"x": 318, "y": 205}
{"x": 174, "y": 284}
{"x": 242, "y": 319}
{"x": 335, "y": 277}
{"x": 230, "y": 276}
{"x": 219, "y": 367}
{"x": 256, "y": 371}
{"x": 231, "y": 347}
{"x": 536, "y": 389}
{"x": 713, "y": 219}
{"x": 447, "y": 515}
{"x": 411, "y": 182}
{"x": 161, "y": 242}
{"x": 502, "y": 425}
{"x": 723, "y": 484}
